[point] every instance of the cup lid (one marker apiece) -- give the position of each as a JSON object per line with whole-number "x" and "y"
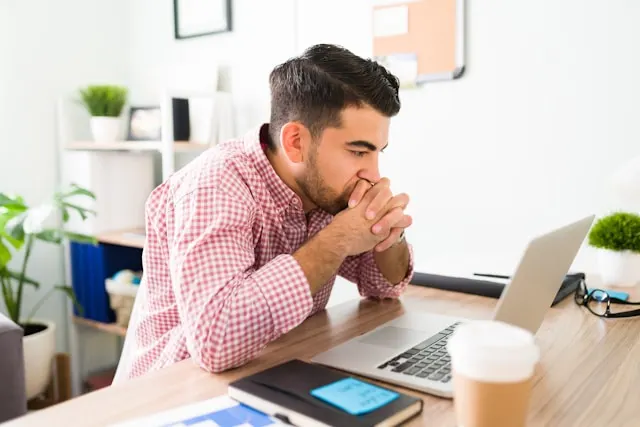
{"x": 483, "y": 345}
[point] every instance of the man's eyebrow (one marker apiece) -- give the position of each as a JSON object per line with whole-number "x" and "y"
{"x": 365, "y": 144}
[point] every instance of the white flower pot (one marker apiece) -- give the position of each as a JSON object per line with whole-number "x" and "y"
{"x": 105, "y": 129}
{"x": 39, "y": 352}
{"x": 619, "y": 268}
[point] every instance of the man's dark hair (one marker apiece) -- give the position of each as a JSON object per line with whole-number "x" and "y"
{"x": 315, "y": 87}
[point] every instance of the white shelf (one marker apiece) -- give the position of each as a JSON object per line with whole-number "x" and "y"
{"x": 111, "y": 328}
{"x": 178, "y": 146}
{"x": 133, "y": 238}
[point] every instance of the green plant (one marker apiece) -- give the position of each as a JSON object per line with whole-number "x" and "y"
{"x": 21, "y": 227}
{"x": 618, "y": 231}
{"x": 104, "y": 100}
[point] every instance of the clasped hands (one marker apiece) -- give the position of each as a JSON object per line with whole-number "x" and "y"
{"x": 375, "y": 218}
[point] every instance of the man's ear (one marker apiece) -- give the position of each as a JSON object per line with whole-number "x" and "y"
{"x": 294, "y": 137}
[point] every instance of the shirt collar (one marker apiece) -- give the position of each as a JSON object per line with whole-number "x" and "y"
{"x": 255, "y": 146}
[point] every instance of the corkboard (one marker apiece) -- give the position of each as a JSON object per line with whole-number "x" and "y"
{"x": 433, "y": 36}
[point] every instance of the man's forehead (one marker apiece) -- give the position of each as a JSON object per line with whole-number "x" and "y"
{"x": 355, "y": 115}
{"x": 362, "y": 125}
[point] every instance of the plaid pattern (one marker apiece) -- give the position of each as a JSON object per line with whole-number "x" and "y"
{"x": 219, "y": 280}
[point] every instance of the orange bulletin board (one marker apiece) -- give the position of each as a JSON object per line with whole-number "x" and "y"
{"x": 423, "y": 40}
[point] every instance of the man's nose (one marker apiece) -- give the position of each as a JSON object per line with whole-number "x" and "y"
{"x": 371, "y": 174}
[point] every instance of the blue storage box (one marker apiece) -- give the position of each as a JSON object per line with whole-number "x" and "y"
{"x": 90, "y": 267}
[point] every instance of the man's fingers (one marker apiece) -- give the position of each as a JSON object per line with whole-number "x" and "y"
{"x": 384, "y": 202}
{"x": 361, "y": 188}
{"x": 393, "y": 237}
{"x": 388, "y": 221}
{"x": 399, "y": 201}
{"x": 376, "y": 207}
{"x": 380, "y": 200}
{"x": 404, "y": 222}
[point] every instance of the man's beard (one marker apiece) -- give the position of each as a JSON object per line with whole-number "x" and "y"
{"x": 314, "y": 188}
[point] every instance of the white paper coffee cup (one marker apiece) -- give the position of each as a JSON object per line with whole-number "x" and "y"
{"x": 492, "y": 364}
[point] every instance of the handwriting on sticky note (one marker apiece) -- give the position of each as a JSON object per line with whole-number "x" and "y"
{"x": 354, "y": 396}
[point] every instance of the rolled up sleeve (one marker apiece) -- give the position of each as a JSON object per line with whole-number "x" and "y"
{"x": 363, "y": 271}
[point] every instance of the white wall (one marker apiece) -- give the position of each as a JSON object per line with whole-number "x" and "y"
{"x": 48, "y": 49}
{"x": 262, "y": 36}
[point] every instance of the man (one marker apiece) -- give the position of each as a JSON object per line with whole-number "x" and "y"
{"x": 244, "y": 243}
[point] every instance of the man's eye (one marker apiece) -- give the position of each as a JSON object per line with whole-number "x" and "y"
{"x": 359, "y": 153}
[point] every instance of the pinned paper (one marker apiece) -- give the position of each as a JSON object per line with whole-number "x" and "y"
{"x": 354, "y": 396}
{"x": 391, "y": 21}
{"x": 403, "y": 65}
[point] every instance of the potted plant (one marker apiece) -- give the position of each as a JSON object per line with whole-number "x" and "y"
{"x": 21, "y": 227}
{"x": 617, "y": 239}
{"x": 105, "y": 104}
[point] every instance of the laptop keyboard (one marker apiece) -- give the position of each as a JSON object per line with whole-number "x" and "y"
{"x": 429, "y": 359}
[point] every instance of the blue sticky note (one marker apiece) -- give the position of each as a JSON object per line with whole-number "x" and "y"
{"x": 613, "y": 294}
{"x": 354, "y": 396}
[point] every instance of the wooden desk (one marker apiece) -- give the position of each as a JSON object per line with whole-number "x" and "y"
{"x": 589, "y": 373}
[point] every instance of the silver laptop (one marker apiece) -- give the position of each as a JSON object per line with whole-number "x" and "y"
{"x": 410, "y": 350}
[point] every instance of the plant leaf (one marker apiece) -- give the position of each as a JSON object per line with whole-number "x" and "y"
{"x": 16, "y": 204}
{"x": 82, "y": 211}
{"x": 37, "y": 217}
{"x": 5, "y": 216}
{"x": 4, "y": 199}
{"x": 104, "y": 100}
{"x": 5, "y": 255}
{"x": 618, "y": 231}
{"x": 17, "y": 276}
{"x": 13, "y": 242}
{"x": 69, "y": 291}
{"x": 3, "y": 235}
{"x": 51, "y": 236}
{"x": 81, "y": 238}
{"x": 15, "y": 227}
{"x": 77, "y": 190}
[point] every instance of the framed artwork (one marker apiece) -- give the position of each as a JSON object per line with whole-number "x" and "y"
{"x": 195, "y": 18}
{"x": 145, "y": 124}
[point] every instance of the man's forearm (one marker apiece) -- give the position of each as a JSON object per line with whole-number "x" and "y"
{"x": 393, "y": 263}
{"x": 320, "y": 258}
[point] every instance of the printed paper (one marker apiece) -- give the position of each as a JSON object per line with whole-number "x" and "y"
{"x": 391, "y": 21}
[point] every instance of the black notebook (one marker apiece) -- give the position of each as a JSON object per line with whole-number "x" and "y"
{"x": 305, "y": 394}
{"x": 489, "y": 288}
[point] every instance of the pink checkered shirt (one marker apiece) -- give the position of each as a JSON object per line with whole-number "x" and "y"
{"x": 219, "y": 280}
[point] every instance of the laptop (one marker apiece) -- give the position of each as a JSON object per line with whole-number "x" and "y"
{"x": 410, "y": 351}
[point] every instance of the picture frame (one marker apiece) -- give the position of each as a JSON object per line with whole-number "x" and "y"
{"x": 145, "y": 123}
{"x": 197, "y": 18}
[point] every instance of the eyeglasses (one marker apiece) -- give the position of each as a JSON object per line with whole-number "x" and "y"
{"x": 599, "y": 302}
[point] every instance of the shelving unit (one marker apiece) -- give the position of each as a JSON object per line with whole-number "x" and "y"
{"x": 123, "y": 172}
{"x": 178, "y": 146}
{"x": 219, "y": 129}
{"x": 111, "y": 328}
